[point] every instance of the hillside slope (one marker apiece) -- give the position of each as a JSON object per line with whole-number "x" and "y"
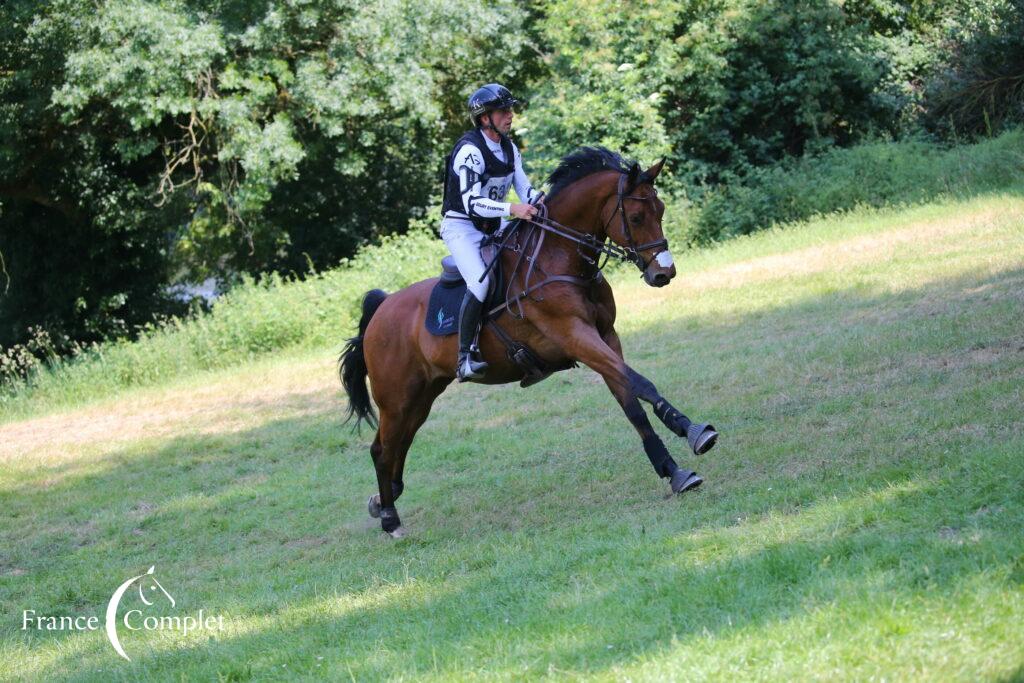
{"x": 860, "y": 519}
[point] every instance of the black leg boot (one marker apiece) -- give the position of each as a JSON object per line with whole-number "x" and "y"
{"x": 469, "y": 367}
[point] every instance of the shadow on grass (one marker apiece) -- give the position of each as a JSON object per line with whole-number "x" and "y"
{"x": 858, "y": 424}
{"x": 1015, "y": 676}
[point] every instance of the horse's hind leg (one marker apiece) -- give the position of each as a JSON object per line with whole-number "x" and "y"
{"x": 383, "y": 450}
{"x": 399, "y": 422}
{"x": 376, "y": 453}
{"x": 416, "y": 413}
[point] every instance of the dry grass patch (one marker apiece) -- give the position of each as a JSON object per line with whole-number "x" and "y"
{"x": 931, "y": 237}
{"x": 224, "y": 404}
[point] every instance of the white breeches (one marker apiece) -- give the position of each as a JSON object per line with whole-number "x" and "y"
{"x": 463, "y": 241}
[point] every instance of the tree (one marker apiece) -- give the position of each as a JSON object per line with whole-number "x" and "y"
{"x": 753, "y": 82}
{"x": 171, "y": 139}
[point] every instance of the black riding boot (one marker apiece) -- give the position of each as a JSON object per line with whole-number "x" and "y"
{"x": 469, "y": 319}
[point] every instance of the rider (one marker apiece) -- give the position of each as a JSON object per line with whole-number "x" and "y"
{"x": 482, "y": 167}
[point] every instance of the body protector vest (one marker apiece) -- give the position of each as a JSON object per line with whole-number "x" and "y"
{"x": 462, "y": 197}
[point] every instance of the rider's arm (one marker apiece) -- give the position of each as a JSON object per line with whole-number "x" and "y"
{"x": 469, "y": 164}
{"x": 522, "y": 184}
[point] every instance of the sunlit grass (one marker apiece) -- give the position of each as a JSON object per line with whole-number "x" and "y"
{"x": 861, "y": 517}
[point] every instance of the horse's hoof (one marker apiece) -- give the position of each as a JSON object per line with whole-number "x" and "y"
{"x": 373, "y": 505}
{"x": 701, "y": 437}
{"x": 684, "y": 480}
{"x": 397, "y": 533}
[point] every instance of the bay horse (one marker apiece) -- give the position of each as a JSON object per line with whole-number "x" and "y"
{"x": 567, "y": 318}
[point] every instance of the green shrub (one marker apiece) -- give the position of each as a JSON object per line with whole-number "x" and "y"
{"x": 254, "y": 318}
{"x": 874, "y": 175}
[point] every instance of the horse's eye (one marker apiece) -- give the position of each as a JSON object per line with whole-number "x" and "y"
{"x": 635, "y": 219}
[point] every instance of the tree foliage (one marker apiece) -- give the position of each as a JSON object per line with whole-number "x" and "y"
{"x": 979, "y": 90}
{"x": 757, "y": 81}
{"x": 145, "y": 141}
{"x": 601, "y": 71}
{"x": 149, "y": 142}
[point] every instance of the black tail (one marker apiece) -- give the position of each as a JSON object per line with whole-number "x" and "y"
{"x": 352, "y": 364}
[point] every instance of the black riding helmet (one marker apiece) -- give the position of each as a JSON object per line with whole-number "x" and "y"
{"x": 488, "y": 98}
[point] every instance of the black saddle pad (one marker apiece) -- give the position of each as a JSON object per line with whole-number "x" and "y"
{"x": 443, "y": 309}
{"x": 442, "y": 316}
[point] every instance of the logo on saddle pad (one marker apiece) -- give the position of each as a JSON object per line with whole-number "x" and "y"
{"x": 443, "y": 321}
{"x": 441, "y": 317}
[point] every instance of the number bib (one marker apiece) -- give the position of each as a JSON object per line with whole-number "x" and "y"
{"x": 497, "y": 188}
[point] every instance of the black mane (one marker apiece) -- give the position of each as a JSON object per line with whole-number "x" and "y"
{"x": 583, "y": 162}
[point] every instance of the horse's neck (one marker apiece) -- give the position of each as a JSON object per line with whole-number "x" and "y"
{"x": 579, "y": 209}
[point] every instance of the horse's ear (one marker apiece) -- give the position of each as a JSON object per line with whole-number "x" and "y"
{"x": 652, "y": 173}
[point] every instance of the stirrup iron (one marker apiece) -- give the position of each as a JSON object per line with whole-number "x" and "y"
{"x": 469, "y": 368}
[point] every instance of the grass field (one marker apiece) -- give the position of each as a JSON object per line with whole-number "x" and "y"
{"x": 861, "y": 518}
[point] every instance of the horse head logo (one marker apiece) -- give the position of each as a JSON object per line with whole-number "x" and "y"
{"x": 148, "y": 587}
{"x": 440, "y": 317}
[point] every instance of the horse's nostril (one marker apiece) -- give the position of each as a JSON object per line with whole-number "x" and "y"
{"x": 660, "y": 279}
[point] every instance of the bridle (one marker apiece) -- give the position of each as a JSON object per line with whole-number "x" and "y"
{"x": 606, "y": 248}
{"x": 584, "y": 242}
{"x": 633, "y": 254}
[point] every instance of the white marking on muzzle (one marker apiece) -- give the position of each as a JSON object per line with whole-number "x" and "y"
{"x": 664, "y": 258}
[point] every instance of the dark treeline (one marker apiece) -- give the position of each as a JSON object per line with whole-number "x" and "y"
{"x": 145, "y": 143}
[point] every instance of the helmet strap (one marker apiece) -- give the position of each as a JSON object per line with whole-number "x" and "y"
{"x": 489, "y": 125}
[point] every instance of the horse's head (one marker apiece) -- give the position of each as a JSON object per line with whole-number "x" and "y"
{"x": 596, "y": 188}
{"x": 635, "y": 224}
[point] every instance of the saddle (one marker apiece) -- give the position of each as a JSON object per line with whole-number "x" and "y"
{"x": 445, "y": 299}
{"x": 442, "y": 318}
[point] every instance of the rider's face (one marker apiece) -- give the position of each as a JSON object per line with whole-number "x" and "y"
{"x": 502, "y": 119}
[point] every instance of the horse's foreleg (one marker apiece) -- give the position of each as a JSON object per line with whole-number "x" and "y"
{"x": 585, "y": 344}
{"x": 701, "y": 437}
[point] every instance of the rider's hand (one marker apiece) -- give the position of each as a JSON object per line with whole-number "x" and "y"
{"x": 524, "y": 211}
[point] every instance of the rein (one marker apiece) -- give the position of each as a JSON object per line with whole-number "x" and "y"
{"x": 581, "y": 239}
{"x": 608, "y": 249}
